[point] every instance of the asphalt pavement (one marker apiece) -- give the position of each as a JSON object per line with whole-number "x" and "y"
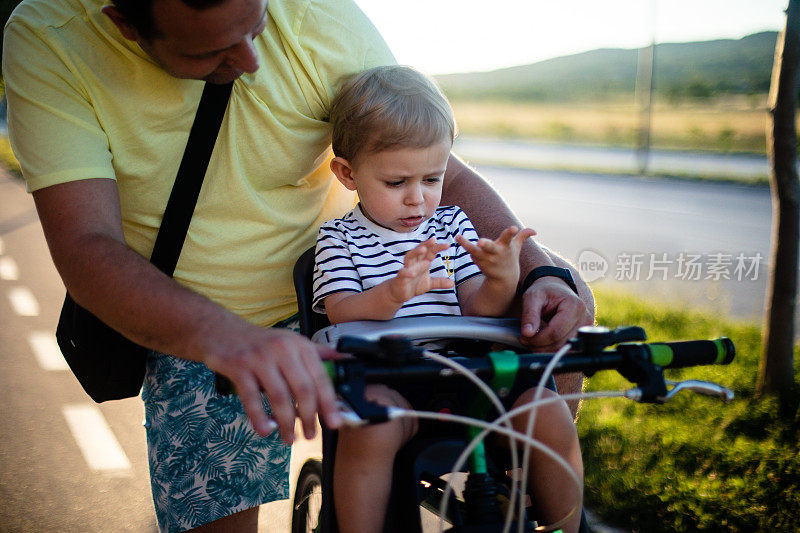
{"x": 692, "y": 243}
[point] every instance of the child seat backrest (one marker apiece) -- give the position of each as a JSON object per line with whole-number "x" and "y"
{"x": 303, "y": 276}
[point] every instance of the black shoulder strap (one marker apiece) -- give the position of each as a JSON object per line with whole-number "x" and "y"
{"x": 183, "y": 198}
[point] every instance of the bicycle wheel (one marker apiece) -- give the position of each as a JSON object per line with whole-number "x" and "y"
{"x": 307, "y": 501}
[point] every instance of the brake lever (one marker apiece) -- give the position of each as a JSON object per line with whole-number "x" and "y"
{"x": 701, "y": 387}
{"x": 706, "y": 388}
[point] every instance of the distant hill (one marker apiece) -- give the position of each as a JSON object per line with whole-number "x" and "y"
{"x": 695, "y": 69}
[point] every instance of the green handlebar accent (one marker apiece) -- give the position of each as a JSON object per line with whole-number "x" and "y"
{"x": 660, "y": 354}
{"x": 478, "y": 456}
{"x": 721, "y": 351}
{"x": 330, "y": 368}
{"x": 506, "y": 366}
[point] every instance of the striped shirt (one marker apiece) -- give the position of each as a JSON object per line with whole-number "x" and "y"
{"x": 354, "y": 254}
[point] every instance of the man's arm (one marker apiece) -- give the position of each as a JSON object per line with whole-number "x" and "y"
{"x": 550, "y": 312}
{"x": 83, "y": 227}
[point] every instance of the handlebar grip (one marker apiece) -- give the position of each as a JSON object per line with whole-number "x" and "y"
{"x": 692, "y": 353}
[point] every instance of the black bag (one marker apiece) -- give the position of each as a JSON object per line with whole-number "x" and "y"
{"x": 108, "y": 365}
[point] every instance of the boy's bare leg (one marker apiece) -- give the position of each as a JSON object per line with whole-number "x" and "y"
{"x": 362, "y": 474}
{"x": 242, "y": 522}
{"x": 553, "y": 490}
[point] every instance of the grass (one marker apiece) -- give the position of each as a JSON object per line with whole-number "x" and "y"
{"x": 694, "y": 464}
{"x": 725, "y": 125}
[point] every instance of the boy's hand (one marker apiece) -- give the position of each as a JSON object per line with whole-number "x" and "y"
{"x": 499, "y": 259}
{"x": 414, "y": 278}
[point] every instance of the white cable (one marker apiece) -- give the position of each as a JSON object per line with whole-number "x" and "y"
{"x": 495, "y": 426}
{"x": 490, "y": 394}
{"x": 462, "y": 459}
{"x": 504, "y": 418}
{"x": 458, "y": 367}
{"x": 526, "y": 454}
{"x": 396, "y": 412}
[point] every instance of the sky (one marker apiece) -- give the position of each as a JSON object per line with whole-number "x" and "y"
{"x": 442, "y": 36}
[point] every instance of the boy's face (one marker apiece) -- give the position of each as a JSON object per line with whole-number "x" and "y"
{"x": 399, "y": 189}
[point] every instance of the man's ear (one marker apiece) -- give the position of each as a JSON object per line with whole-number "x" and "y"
{"x": 344, "y": 172}
{"x": 121, "y": 22}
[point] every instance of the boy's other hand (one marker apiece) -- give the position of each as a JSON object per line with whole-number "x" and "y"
{"x": 499, "y": 259}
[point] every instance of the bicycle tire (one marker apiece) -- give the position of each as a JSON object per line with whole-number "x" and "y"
{"x": 307, "y": 502}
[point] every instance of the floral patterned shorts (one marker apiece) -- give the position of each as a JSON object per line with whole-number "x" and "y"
{"x": 206, "y": 462}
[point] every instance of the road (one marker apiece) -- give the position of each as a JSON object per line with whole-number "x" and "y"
{"x": 659, "y": 224}
{"x": 68, "y": 465}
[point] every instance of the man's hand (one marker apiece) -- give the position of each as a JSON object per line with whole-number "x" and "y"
{"x": 551, "y": 315}
{"x": 281, "y": 363}
{"x": 414, "y": 278}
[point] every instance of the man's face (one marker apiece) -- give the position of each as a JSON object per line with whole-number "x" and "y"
{"x": 214, "y": 44}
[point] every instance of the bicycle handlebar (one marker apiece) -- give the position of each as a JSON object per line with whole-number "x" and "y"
{"x": 692, "y": 353}
{"x": 387, "y": 354}
{"x": 378, "y": 367}
{"x": 393, "y": 359}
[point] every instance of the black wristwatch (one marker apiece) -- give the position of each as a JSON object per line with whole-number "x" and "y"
{"x": 540, "y": 272}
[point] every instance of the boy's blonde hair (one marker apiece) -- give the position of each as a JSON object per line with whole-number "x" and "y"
{"x": 389, "y": 107}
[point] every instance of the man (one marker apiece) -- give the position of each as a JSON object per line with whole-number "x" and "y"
{"x": 101, "y": 99}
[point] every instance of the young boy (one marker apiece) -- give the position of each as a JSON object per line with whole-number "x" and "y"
{"x": 398, "y": 253}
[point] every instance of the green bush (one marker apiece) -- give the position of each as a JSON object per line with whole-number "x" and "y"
{"x": 694, "y": 464}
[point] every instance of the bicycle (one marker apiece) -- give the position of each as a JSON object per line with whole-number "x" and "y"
{"x": 384, "y": 353}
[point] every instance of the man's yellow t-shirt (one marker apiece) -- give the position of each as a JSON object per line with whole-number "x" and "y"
{"x": 84, "y": 102}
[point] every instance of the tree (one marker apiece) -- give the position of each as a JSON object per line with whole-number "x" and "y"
{"x": 776, "y": 371}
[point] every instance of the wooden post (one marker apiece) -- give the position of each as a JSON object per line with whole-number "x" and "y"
{"x": 645, "y": 73}
{"x": 776, "y": 373}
